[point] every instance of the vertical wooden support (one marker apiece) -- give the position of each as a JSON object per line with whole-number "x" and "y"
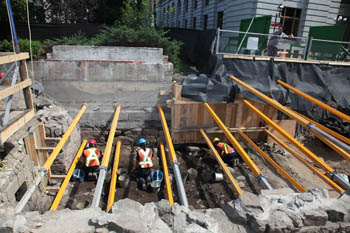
{"x": 45, "y": 154}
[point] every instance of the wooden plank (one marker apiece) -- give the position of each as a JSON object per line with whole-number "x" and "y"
{"x": 16, "y": 125}
{"x": 288, "y": 125}
{"x": 45, "y": 149}
{"x": 26, "y": 91}
{"x": 13, "y": 58}
{"x": 30, "y": 144}
{"x": 58, "y": 177}
{"x": 52, "y": 139}
{"x": 13, "y": 89}
{"x": 52, "y": 188}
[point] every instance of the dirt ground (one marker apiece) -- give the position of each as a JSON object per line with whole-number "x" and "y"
{"x": 202, "y": 193}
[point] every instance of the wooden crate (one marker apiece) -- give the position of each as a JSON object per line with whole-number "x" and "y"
{"x": 188, "y": 116}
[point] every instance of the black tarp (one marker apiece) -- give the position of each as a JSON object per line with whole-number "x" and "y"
{"x": 327, "y": 83}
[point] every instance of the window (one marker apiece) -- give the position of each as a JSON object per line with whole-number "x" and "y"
{"x": 205, "y": 22}
{"x": 185, "y": 23}
{"x": 178, "y": 24}
{"x": 194, "y": 22}
{"x": 220, "y": 19}
{"x": 186, "y": 5}
{"x": 290, "y": 18}
{"x": 206, "y": 2}
{"x": 195, "y": 4}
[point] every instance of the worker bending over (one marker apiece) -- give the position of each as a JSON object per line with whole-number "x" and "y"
{"x": 144, "y": 164}
{"x": 227, "y": 153}
{"x": 91, "y": 160}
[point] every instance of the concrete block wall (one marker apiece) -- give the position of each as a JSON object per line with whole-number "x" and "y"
{"x": 103, "y": 84}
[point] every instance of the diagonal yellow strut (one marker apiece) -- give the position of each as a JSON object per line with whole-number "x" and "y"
{"x": 273, "y": 163}
{"x": 111, "y": 194}
{"x": 222, "y": 164}
{"x": 166, "y": 176}
{"x": 65, "y": 182}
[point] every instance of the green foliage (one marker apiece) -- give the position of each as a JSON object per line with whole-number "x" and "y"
{"x": 78, "y": 38}
{"x": 18, "y": 9}
{"x": 37, "y": 47}
{"x": 141, "y": 37}
{"x": 135, "y": 15}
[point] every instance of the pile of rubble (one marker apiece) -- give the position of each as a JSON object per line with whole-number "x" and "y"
{"x": 295, "y": 212}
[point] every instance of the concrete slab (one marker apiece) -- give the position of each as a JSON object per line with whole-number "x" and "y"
{"x": 112, "y": 53}
{"x": 281, "y": 191}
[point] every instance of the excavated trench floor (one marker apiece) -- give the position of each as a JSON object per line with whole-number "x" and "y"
{"x": 200, "y": 192}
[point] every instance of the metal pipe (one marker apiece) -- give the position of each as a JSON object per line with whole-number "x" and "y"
{"x": 302, "y": 148}
{"x": 256, "y": 171}
{"x": 104, "y": 165}
{"x": 331, "y": 132}
{"x": 222, "y": 164}
{"x": 172, "y": 155}
{"x": 29, "y": 192}
{"x": 288, "y": 112}
{"x": 166, "y": 175}
{"x": 308, "y": 164}
{"x": 273, "y": 163}
{"x": 261, "y": 179}
{"x": 111, "y": 194}
{"x": 315, "y": 101}
{"x": 65, "y": 182}
{"x": 313, "y": 128}
{"x": 49, "y": 161}
{"x": 9, "y": 8}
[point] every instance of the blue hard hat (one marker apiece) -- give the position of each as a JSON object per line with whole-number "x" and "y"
{"x": 142, "y": 140}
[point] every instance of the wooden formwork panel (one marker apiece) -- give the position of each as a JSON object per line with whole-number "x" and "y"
{"x": 187, "y": 117}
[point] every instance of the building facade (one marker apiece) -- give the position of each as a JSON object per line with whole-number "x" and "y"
{"x": 297, "y": 16}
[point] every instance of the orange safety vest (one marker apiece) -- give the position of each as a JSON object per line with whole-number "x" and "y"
{"x": 92, "y": 157}
{"x": 145, "y": 158}
{"x": 225, "y": 149}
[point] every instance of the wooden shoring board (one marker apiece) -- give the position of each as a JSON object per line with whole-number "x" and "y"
{"x": 24, "y": 85}
{"x": 44, "y": 153}
{"x": 190, "y": 115}
{"x": 16, "y": 125}
{"x": 13, "y": 58}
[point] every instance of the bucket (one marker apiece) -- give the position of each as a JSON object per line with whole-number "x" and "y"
{"x": 123, "y": 180}
{"x": 218, "y": 177}
{"x": 157, "y": 178}
{"x": 78, "y": 175}
{"x": 192, "y": 173}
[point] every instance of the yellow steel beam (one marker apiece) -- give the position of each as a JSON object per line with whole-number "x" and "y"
{"x": 169, "y": 142}
{"x": 108, "y": 148}
{"x": 316, "y": 101}
{"x": 111, "y": 193}
{"x": 302, "y": 148}
{"x": 65, "y": 182}
{"x": 222, "y": 164}
{"x": 273, "y": 163}
{"x": 166, "y": 176}
{"x": 66, "y": 135}
{"x": 256, "y": 171}
{"x": 308, "y": 164}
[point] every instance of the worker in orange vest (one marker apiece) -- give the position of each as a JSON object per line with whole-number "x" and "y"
{"x": 91, "y": 159}
{"x": 227, "y": 153}
{"x": 144, "y": 164}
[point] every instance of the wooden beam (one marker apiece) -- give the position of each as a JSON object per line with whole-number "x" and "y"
{"x": 13, "y": 89}
{"x": 52, "y": 188}
{"x": 58, "y": 177}
{"x": 26, "y": 91}
{"x": 16, "y": 125}
{"x": 53, "y": 139}
{"x": 45, "y": 149}
{"x": 13, "y": 58}
{"x": 30, "y": 143}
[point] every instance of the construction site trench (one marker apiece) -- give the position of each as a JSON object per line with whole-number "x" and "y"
{"x": 143, "y": 100}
